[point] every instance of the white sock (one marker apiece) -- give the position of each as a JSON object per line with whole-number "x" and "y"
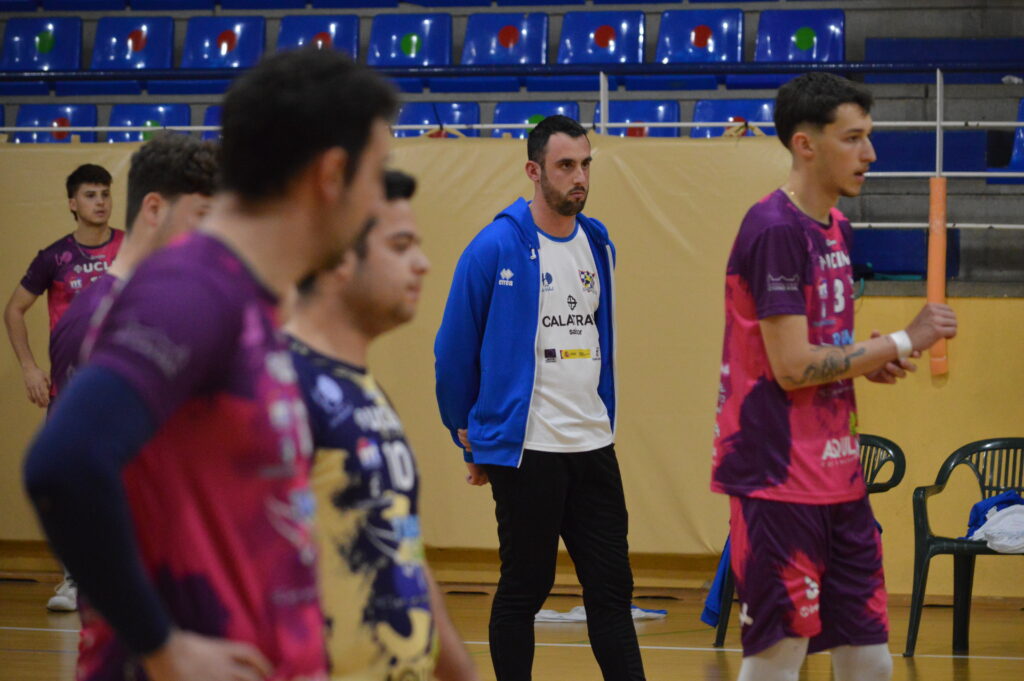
{"x": 862, "y": 663}
{"x": 781, "y": 662}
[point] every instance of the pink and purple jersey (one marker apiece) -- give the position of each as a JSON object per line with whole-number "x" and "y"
{"x": 67, "y": 336}
{"x": 799, "y": 446}
{"x": 65, "y": 268}
{"x": 220, "y": 496}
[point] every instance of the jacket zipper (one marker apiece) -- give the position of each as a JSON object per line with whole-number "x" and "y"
{"x": 534, "y": 255}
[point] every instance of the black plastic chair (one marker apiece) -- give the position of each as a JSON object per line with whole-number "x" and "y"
{"x": 875, "y": 453}
{"x": 998, "y": 465}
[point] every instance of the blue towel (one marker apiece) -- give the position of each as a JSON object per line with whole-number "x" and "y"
{"x": 980, "y": 511}
{"x": 711, "y": 604}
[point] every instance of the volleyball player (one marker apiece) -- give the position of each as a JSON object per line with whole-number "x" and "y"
{"x": 385, "y": 615}
{"x": 172, "y": 476}
{"x": 806, "y": 551}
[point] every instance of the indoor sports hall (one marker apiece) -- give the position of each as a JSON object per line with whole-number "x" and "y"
{"x": 678, "y": 98}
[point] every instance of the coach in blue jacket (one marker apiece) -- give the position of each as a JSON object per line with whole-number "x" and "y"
{"x": 525, "y": 369}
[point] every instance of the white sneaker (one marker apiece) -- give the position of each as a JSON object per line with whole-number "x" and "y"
{"x": 66, "y": 598}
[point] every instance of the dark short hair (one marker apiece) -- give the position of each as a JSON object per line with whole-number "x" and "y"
{"x": 813, "y": 98}
{"x": 398, "y": 186}
{"x": 171, "y": 165}
{"x": 87, "y": 173}
{"x": 537, "y": 142}
{"x": 289, "y": 108}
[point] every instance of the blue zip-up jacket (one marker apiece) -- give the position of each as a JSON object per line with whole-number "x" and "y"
{"x": 485, "y": 352}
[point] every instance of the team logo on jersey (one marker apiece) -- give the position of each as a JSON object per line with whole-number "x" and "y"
{"x": 571, "y": 302}
{"x": 368, "y": 453}
{"x": 550, "y": 355}
{"x": 506, "y": 277}
{"x": 781, "y": 283}
{"x": 547, "y": 282}
{"x": 328, "y": 394}
{"x": 580, "y": 353}
{"x": 588, "y": 279}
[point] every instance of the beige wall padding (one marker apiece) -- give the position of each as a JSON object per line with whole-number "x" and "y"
{"x": 673, "y": 208}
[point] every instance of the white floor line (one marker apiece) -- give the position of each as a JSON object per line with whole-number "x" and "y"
{"x": 686, "y": 649}
{"x": 738, "y": 650}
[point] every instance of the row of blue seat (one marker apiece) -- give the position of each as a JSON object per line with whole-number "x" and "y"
{"x": 410, "y": 40}
{"x": 407, "y": 40}
{"x": 161, "y": 5}
{"x": 897, "y": 150}
{"x": 58, "y": 116}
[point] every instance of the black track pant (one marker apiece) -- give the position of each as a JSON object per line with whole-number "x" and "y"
{"x": 579, "y": 497}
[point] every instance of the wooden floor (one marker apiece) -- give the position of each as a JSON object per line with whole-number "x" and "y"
{"x": 36, "y": 645}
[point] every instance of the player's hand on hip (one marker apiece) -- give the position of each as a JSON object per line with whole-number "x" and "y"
{"x": 892, "y": 371}
{"x": 934, "y": 321}
{"x": 477, "y": 474}
{"x": 191, "y": 657}
{"x": 37, "y": 385}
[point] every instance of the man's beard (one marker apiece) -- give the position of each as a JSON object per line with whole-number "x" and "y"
{"x": 561, "y": 203}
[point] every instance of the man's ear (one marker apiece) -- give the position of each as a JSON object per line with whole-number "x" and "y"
{"x": 346, "y": 267}
{"x": 802, "y": 144}
{"x": 151, "y": 212}
{"x": 533, "y": 171}
{"x": 328, "y": 174}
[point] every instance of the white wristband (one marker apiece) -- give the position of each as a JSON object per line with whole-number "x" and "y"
{"x": 904, "y": 347}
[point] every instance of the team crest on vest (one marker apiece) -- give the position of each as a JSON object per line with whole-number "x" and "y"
{"x": 588, "y": 279}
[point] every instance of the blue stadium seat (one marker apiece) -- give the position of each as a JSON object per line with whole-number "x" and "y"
{"x": 339, "y": 32}
{"x": 546, "y": 3}
{"x": 738, "y": 110}
{"x": 693, "y": 36}
{"x": 1017, "y": 156}
{"x": 914, "y": 150}
{"x": 529, "y": 112}
{"x": 638, "y": 112}
{"x": 436, "y": 113}
{"x": 55, "y": 116}
{"x": 83, "y": 5}
{"x": 263, "y": 4}
{"x": 801, "y": 35}
{"x": 18, "y": 5}
{"x": 125, "y": 42}
{"x": 900, "y": 253}
{"x": 594, "y": 38}
{"x": 398, "y": 40}
{"x": 498, "y": 39}
{"x": 150, "y": 115}
{"x": 162, "y": 5}
{"x": 212, "y": 117}
{"x": 942, "y": 50}
{"x": 602, "y": 38}
{"x": 453, "y": 3}
{"x": 221, "y": 42}
{"x": 351, "y": 4}
{"x": 40, "y": 44}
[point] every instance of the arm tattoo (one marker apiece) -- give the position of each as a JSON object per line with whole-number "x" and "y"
{"x": 835, "y": 363}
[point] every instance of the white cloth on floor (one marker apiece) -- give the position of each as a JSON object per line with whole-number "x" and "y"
{"x": 1003, "y": 531}
{"x": 579, "y": 614}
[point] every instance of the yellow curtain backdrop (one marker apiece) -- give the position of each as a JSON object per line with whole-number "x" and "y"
{"x": 673, "y": 207}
